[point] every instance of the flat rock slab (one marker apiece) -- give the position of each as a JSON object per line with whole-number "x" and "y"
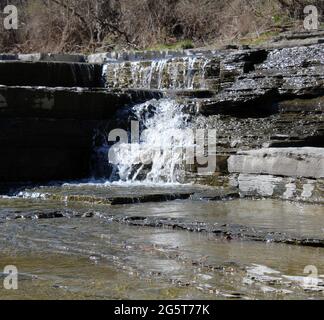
{"x": 262, "y": 221}
{"x": 58, "y": 57}
{"x": 295, "y": 162}
{"x": 54, "y": 57}
{"x": 5, "y": 56}
{"x": 50, "y": 74}
{"x": 127, "y": 194}
{"x": 228, "y": 231}
{"x": 158, "y": 197}
{"x": 116, "y": 56}
{"x": 286, "y": 188}
{"x": 67, "y": 103}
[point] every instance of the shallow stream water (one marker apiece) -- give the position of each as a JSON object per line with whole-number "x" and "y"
{"x": 80, "y": 248}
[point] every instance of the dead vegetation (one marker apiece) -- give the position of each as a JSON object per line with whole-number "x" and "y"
{"x": 104, "y": 25}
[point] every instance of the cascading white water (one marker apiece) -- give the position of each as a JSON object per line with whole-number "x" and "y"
{"x": 187, "y": 72}
{"x": 159, "y": 155}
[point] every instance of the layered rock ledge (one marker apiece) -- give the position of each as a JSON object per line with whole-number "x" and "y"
{"x": 287, "y": 173}
{"x": 48, "y": 133}
{"x": 292, "y": 162}
{"x": 267, "y": 97}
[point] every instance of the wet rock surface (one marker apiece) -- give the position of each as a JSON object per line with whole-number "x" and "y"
{"x": 219, "y": 258}
{"x": 95, "y": 195}
{"x": 254, "y": 97}
{"x": 238, "y": 77}
{"x": 268, "y": 77}
{"x": 166, "y": 241}
{"x": 114, "y": 195}
{"x": 263, "y": 97}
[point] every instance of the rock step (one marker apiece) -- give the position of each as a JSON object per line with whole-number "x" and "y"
{"x": 67, "y": 103}
{"x": 116, "y": 56}
{"x": 114, "y": 200}
{"x": 240, "y": 78}
{"x": 189, "y": 72}
{"x": 49, "y": 57}
{"x": 50, "y": 74}
{"x": 292, "y": 162}
{"x": 47, "y": 133}
{"x": 285, "y": 188}
{"x": 227, "y": 230}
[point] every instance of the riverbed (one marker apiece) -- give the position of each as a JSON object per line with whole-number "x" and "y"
{"x": 76, "y": 241}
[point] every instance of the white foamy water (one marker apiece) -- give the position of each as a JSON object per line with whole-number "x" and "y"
{"x": 164, "y": 144}
{"x": 173, "y": 73}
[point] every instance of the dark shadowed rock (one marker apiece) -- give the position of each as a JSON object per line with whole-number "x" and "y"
{"x": 67, "y": 103}
{"x": 47, "y": 133}
{"x": 50, "y": 74}
{"x": 53, "y": 57}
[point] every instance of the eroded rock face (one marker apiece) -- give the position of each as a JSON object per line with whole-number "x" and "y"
{"x": 286, "y": 73}
{"x": 237, "y": 75}
{"x": 286, "y": 173}
{"x": 255, "y": 98}
{"x": 291, "y": 162}
{"x": 285, "y": 188}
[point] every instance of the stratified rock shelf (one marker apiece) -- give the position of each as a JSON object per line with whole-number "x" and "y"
{"x": 266, "y": 103}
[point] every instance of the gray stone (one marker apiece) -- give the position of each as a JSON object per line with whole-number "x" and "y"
{"x": 67, "y": 103}
{"x": 302, "y": 105}
{"x": 239, "y": 78}
{"x": 100, "y": 58}
{"x": 7, "y": 56}
{"x": 295, "y": 162}
{"x": 123, "y": 56}
{"x": 261, "y": 185}
{"x": 285, "y": 188}
{"x": 54, "y": 57}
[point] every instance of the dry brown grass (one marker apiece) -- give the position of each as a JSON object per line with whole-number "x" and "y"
{"x": 104, "y": 25}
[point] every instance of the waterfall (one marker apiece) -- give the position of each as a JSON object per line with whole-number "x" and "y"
{"x": 158, "y": 156}
{"x": 187, "y": 72}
